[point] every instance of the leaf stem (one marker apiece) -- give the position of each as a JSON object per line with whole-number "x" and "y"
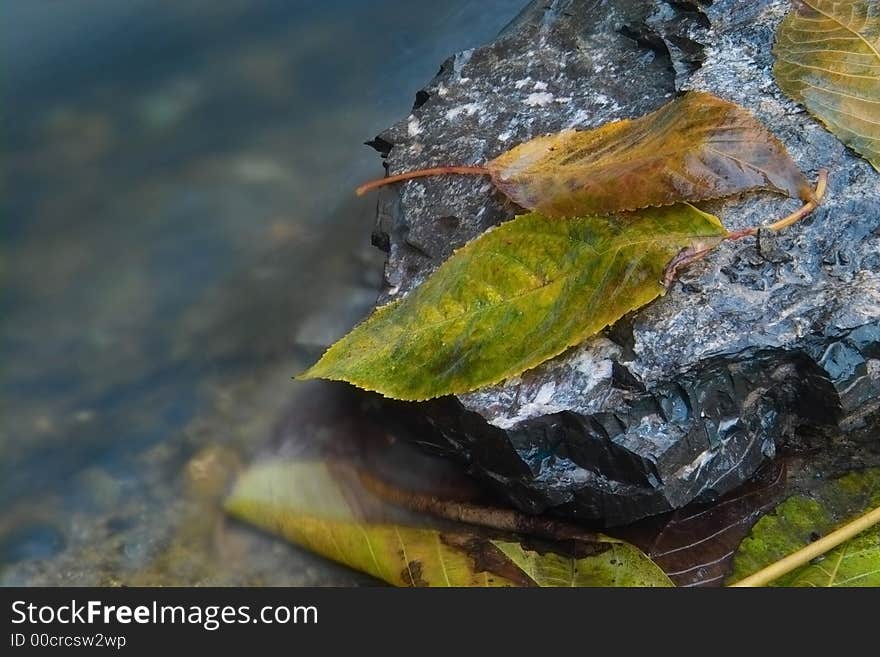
{"x": 473, "y": 514}
{"x": 805, "y": 555}
{"x": 809, "y": 206}
{"x": 684, "y": 258}
{"x": 794, "y": 217}
{"x": 688, "y": 256}
{"x": 421, "y": 173}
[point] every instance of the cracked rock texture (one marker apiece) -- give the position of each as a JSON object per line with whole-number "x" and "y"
{"x": 768, "y": 344}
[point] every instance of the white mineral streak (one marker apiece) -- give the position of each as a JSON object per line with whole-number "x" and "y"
{"x": 413, "y": 127}
{"x": 468, "y": 109}
{"x": 539, "y": 99}
{"x": 582, "y": 369}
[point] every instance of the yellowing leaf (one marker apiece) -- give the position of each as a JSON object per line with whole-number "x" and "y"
{"x": 618, "y": 564}
{"x": 402, "y": 556}
{"x": 828, "y": 59}
{"x": 516, "y": 296}
{"x": 308, "y": 504}
{"x": 801, "y": 519}
{"x": 302, "y": 502}
{"x": 695, "y": 147}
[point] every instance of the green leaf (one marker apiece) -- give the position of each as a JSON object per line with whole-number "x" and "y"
{"x": 618, "y": 564}
{"x": 696, "y": 147}
{"x": 322, "y": 510}
{"x": 801, "y": 519}
{"x": 828, "y": 59}
{"x": 516, "y": 296}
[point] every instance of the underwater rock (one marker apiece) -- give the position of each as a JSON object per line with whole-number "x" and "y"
{"x": 771, "y": 343}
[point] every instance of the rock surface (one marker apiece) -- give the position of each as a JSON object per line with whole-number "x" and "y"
{"x": 769, "y": 343}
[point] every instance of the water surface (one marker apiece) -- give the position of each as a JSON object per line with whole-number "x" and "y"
{"x": 178, "y": 238}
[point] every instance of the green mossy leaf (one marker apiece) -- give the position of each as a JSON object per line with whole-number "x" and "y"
{"x": 618, "y": 564}
{"x": 516, "y": 296}
{"x": 800, "y": 519}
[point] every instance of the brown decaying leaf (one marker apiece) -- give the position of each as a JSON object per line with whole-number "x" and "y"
{"x": 695, "y": 545}
{"x": 695, "y": 147}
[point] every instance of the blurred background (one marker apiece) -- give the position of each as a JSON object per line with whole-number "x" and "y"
{"x": 179, "y": 236}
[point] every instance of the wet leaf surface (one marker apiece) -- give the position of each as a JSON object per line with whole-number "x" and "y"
{"x": 695, "y": 147}
{"x": 801, "y": 519}
{"x": 695, "y": 545}
{"x": 347, "y": 437}
{"x": 302, "y": 502}
{"x": 514, "y": 297}
{"x": 321, "y": 507}
{"x": 620, "y": 564}
{"x": 828, "y": 59}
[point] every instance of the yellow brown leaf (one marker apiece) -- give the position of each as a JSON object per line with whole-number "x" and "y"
{"x": 828, "y": 59}
{"x": 695, "y": 147}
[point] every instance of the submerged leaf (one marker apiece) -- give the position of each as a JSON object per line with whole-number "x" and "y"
{"x": 828, "y": 59}
{"x": 308, "y": 504}
{"x": 302, "y": 502}
{"x": 511, "y": 299}
{"x": 695, "y": 147}
{"x": 801, "y": 519}
{"x": 695, "y": 545}
{"x": 618, "y": 564}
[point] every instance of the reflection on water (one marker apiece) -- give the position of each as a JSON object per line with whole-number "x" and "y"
{"x": 178, "y": 239}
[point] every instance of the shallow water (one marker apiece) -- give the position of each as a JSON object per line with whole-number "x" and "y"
{"x": 179, "y": 237}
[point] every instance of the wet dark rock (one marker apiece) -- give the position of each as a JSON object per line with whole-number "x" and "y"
{"x": 768, "y": 344}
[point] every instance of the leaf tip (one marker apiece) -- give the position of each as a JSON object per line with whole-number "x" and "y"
{"x": 313, "y": 372}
